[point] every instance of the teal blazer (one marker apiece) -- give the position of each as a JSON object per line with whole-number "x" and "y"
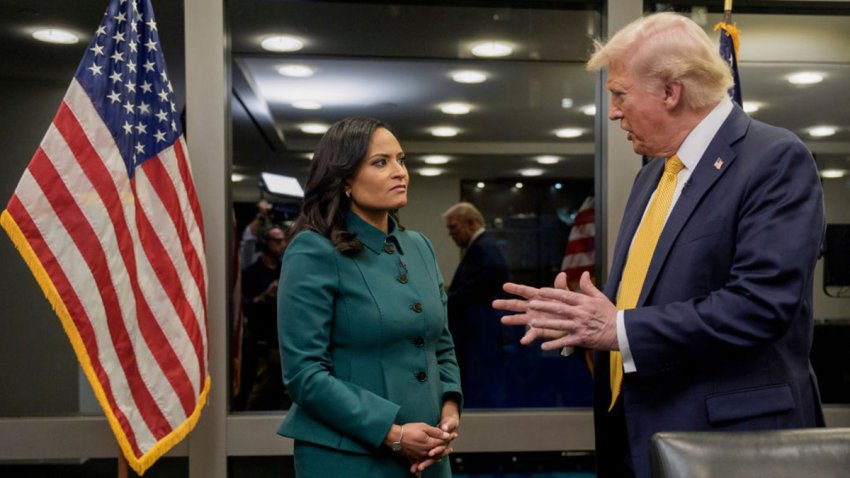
{"x": 364, "y": 339}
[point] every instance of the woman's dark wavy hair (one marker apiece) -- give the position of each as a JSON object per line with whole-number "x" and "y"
{"x": 336, "y": 159}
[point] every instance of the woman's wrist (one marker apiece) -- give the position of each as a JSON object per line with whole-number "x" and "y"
{"x": 451, "y": 406}
{"x": 394, "y": 435}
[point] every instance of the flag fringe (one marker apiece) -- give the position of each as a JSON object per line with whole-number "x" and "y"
{"x": 733, "y": 32}
{"x": 139, "y": 464}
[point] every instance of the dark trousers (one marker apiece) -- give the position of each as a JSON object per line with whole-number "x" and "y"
{"x": 613, "y": 459}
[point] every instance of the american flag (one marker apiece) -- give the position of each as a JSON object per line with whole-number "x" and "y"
{"x": 580, "y": 255}
{"x": 107, "y": 218}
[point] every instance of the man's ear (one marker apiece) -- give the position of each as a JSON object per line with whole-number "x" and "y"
{"x": 672, "y": 94}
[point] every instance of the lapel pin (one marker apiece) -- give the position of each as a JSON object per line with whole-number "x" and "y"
{"x": 718, "y": 164}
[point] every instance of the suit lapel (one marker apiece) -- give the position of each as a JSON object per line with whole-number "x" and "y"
{"x": 714, "y": 163}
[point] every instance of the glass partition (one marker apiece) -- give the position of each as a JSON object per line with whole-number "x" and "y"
{"x": 463, "y": 117}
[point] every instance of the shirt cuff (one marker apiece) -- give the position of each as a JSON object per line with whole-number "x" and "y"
{"x": 623, "y": 341}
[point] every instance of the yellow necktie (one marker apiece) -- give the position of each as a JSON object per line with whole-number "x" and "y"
{"x": 640, "y": 254}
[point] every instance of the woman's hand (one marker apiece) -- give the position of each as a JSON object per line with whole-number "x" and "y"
{"x": 417, "y": 440}
{"x": 449, "y": 423}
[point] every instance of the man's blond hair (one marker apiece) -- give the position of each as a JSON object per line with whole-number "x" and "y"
{"x": 664, "y": 47}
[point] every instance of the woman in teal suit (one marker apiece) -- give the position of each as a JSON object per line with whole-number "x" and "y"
{"x": 365, "y": 345}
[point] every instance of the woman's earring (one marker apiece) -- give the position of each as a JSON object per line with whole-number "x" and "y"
{"x": 348, "y": 194}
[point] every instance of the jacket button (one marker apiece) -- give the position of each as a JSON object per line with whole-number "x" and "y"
{"x": 389, "y": 249}
{"x": 417, "y": 307}
{"x": 402, "y": 278}
{"x": 421, "y": 376}
{"x": 419, "y": 342}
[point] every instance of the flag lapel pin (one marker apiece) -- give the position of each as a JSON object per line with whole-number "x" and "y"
{"x": 718, "y": 164}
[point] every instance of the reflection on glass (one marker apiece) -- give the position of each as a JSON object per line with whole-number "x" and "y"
{"x": 465, "y": 115}
{"x": 525, "y": 238}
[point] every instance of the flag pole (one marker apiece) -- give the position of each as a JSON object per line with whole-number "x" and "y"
{"x": 122, "y": 464}
{"x": 727, "y": 11}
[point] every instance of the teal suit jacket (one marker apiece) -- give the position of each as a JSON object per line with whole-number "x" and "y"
{"x": 364, "y": 339}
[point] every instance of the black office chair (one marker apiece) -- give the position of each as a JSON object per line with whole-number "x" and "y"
{"x": 811, "y": 452}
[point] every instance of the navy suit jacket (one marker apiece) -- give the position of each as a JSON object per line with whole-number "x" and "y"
{"x": 478, "y": 335}
{"x": 723, "y": 328}
{"x": 480, "y": 274}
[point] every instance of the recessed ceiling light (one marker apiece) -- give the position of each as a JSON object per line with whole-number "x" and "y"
{"x": 480, "y": 185}
{"x": 518, "y": 185}
{"x": 589, "y": 110}
{"x": 282, "y": 43}
{"x": 455, "y": 108}
{"x": 308, "y": 156}
{"x": 469, "y": 76}
{"x": 307, "y": 105}
{"x": 281, "y": 185}
{"x": 821, "y": 131}
{"x": 314, "y": 128}
{"x": 236, "y": 177}
{"x": 435, "y": 159}
{"x": 833, "y": 173}
{"x": 805, "y": 78}
{"x": 547, "y": 159}
{"x": 566, "y": 103}
{"x": 491, "y": 49}
{"x": 55, "y": 35}
{"x": 430, "y": 171}
{"x": 296, "y": 71}
{"x": 444, "y": 131}
{"x": 751, "y": 106}
{"x": 558, "y": 186}
{"x": 568, "y": 133}
{"x": 531, "y": 172}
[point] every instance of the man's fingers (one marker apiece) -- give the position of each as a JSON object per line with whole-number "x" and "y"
{"x": 517, "y": 319}
{"x": 586, "y": 286}
{"x": 511, "y": 305}
{"x": 520, "y": 290}
{"x": 557, "y": 344}
{"x": 559, "y": 295}
{"x": 534, "y": 333}
{"x": 561, "y": 324}
{"x": 561, "y": 281}
{"x": 529, "y": 337}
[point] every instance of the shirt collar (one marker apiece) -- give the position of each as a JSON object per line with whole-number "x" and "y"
{"x": 700, "y": 137}
{"x": 373, "y": 238}
{"x": 475, "y": 236}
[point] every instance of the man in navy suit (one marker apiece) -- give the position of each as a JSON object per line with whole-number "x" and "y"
{"x": 473, "y": 323}
{"x": 719, "y": 335}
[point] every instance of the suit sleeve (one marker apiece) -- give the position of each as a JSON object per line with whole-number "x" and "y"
{"x": 308, "y": 287}
{"x": 774, "y": 242}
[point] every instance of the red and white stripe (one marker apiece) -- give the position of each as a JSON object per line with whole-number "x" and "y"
{"x": 126, "y": 257}
{"x": 580, "y": 255}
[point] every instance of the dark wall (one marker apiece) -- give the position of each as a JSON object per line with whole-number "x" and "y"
{"x": 39, "y": 371}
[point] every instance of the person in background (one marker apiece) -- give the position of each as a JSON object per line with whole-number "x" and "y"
{"x": 473, "y": 323}
{"x": 249, "y": 247}
{"x": 365, "y": 345}
{"x": 705, "y": 322}
{"x": 262, "y": 382}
